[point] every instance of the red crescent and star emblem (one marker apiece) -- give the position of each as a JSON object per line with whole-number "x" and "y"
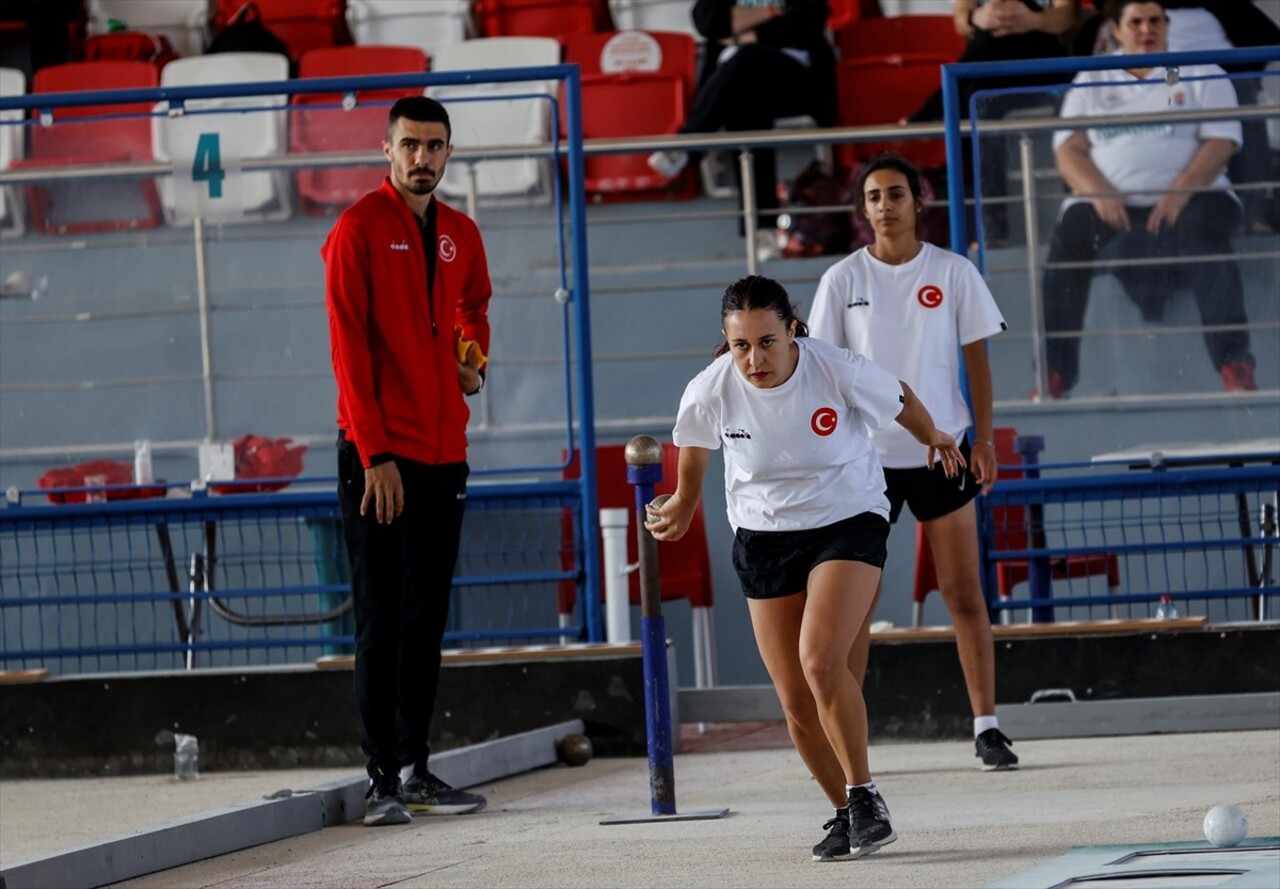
{"x": 448, "y": 249}
{"x": 930, "y": 296}
{"x": 823, "y": 421}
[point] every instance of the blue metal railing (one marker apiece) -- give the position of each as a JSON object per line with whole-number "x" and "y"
{"x": 249, "y": 579}
{"x": 1204, "y": 537}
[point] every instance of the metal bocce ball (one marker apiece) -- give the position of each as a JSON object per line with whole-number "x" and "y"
{"x": 574, "y": 750}
{"x": 643, "y": 450}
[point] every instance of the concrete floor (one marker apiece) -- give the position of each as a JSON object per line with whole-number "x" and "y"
{"x": 957, "y": 826}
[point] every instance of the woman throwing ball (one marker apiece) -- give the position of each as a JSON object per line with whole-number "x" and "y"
{"x": 806, "y": 501}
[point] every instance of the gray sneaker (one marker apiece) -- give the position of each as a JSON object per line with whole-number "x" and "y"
{"x": 383, "y": 803}
{"x": 430, "y": 796}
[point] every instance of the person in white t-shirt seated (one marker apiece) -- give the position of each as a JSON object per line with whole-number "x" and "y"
{"x": 806, "y": 500}
{"x": 1160, "y": 190}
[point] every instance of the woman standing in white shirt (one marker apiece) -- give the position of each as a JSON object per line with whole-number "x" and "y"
{"x": 914, "y": 308}
{"x": 805, "y": 497}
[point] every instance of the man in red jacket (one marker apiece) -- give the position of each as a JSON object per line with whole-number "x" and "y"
{"x": 407, "y": 290}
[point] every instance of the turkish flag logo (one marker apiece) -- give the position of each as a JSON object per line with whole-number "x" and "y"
{"x": 823, "y": 421}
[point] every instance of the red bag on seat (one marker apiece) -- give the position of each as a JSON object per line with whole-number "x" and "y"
{"x": 258, "y": 457}
{"x": 130, "y": 46}
{"x": 110, "y": 471}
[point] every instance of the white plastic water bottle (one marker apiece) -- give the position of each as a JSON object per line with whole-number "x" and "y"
{"x": 143, "y": 474}
{"x": 186, "y": 757}
{"x": 1166, "y": 610}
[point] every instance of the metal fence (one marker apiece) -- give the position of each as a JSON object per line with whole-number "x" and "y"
{"x": 1113, "y": 544}
{"x": 258, "y": 579}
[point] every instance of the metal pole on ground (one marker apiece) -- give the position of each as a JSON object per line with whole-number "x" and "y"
{"x": 643, "y": 455}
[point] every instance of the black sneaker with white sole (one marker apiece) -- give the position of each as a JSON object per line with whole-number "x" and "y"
{"x": 869, "y": 827}
{"x": 993, "y": 749}
{"x": 836, "y": 846}
{"x": 428, "y": 795}
{"x": 383, "y": 803}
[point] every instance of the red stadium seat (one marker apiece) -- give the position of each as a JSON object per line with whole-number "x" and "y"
{"x": 634, "y": 83}
{"x": 874, "y": 90}
{"x": 684, "y": 567}
{"x": 1010, "y": 523}
{"x": 93, "y": 134}
{"x": 302, "y": 24}
{"x": 558, "y": 19}
{"x": 900, "y": 34}
{"x": 317, "y": 125}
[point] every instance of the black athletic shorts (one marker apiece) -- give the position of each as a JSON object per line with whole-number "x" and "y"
{"x": 777, "y": 563}
{"x": 929, "y": 492}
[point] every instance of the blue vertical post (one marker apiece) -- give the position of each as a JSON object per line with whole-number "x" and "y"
{"x": 644, "y": 470}
{"x": 1038, "y": 571}
{"x": 592, "y": 586}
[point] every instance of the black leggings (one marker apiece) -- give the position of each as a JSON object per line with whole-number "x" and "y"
{"x": 1204, "y": 227}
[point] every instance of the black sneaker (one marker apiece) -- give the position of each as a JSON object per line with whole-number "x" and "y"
{"x": 869, "y": 826}
{"x": 993, "y": 749}
{"x": 836, "y": 846}
{"x": 431, "y": 796}
{"x": 384, "y": 805}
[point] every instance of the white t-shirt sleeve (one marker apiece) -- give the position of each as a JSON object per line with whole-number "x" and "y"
{"x": 873, "y": 392}
{"x": 695, "y": 427}
{"x": 824, "y": 318}
{"x": 1074, "y": 104}
{"x": 978, "y": 316}
{"x": 1219, "y": 93}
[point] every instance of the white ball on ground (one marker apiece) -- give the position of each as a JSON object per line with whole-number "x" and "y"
{"x": 1225, "y": 825}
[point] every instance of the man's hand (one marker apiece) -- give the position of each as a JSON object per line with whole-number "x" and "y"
{"x": 1166, "y": 211}
{"x": 1111, "y": 210}
{"x": 745, "y": 19}
{"x": 382, "y": 485}
{"x": 1010, "y": 17}
{"x": 469, "y": 369}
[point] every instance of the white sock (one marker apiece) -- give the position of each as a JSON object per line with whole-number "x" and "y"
{"x": 406, "y": 772}
{"x": 982, "y": 723}
{"x": 870, "y": 785}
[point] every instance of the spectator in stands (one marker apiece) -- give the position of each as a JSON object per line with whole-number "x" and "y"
{"x": 999, "y": 31}
{"x": 1158, "y": 190}
{"x": 764, "y": 59}
{"x": 916, "y": 309}
{"x": 806, "y": 499}
{"x": 1217, "y": 24}
{"x": 407, "y": 289}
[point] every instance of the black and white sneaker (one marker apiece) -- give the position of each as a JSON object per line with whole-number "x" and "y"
{"x": 993, "y": 749}
{"x": 869, "y": 826}
{"x": 429, "y": 795}
{"x": 383, "y": 803}
{"x": 836, "y": 846}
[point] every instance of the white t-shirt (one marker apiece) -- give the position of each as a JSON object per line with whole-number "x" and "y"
{"x": 796, "y": 456}
{"x": 1147, "y": 157}
{"x": 910, "y": 319}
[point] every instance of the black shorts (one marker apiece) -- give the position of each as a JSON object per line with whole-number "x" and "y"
{"x": 929, "y": 492}
{"x": 777, "y": 563}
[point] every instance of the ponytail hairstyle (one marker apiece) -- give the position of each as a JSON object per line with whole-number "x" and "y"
{"x": 759, "y": 292}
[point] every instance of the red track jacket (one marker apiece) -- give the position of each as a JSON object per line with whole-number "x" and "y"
{"x": 398, "y": 389}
